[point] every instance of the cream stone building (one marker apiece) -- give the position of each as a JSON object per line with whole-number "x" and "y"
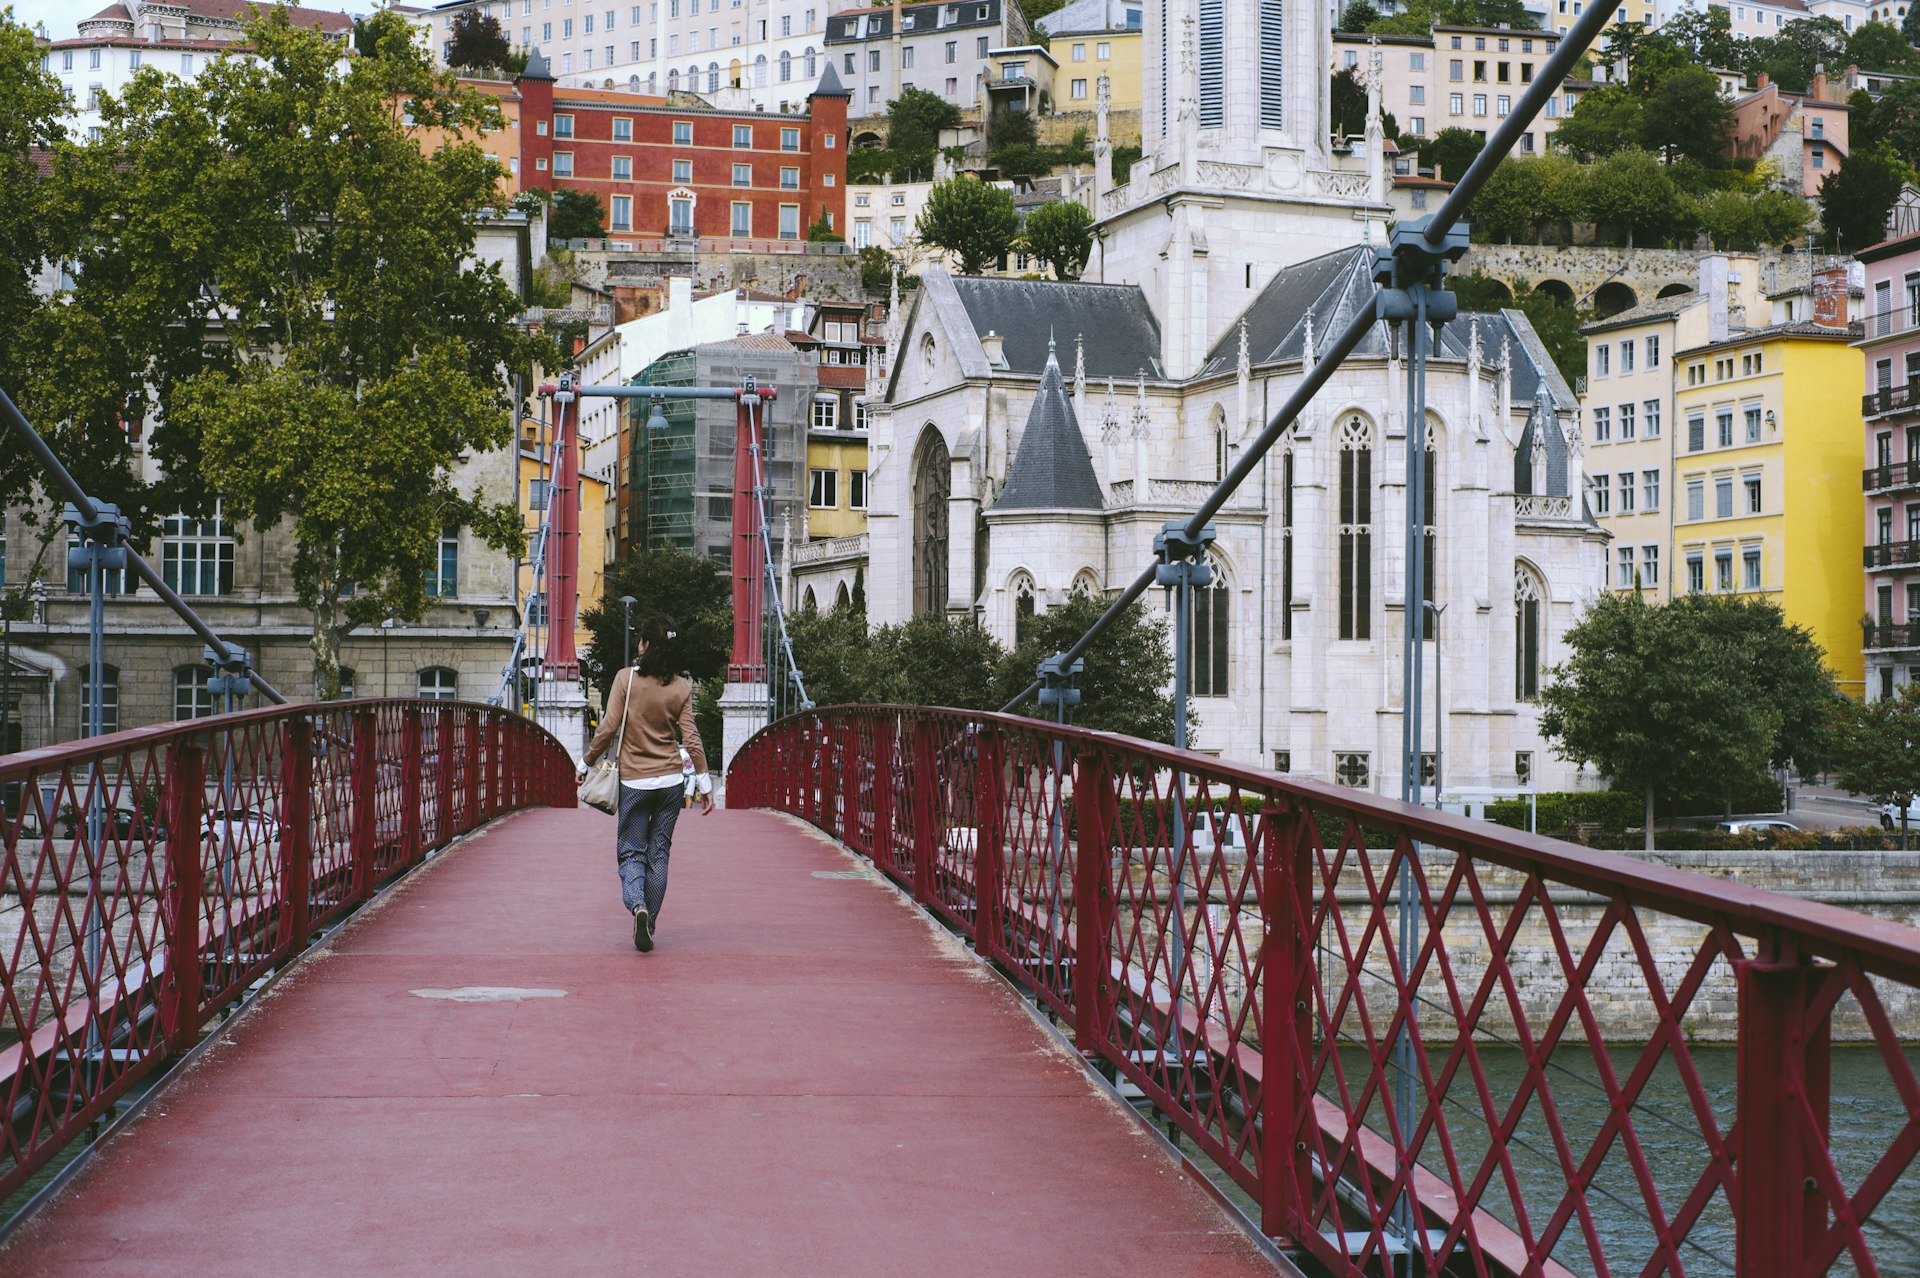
{"x": 1030, "y": 438}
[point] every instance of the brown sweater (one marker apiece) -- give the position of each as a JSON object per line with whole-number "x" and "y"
{"x": 649, "y": 748}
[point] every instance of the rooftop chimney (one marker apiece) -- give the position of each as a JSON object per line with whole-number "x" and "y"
{"x": 680, "y": 296}
{"x": 1830, "y": 297}
{"x": 1713, "y": 287}
{"x": 994, "y": 345}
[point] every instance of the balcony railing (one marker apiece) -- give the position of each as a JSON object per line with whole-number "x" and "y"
{"x": 1890, "y": 478}
{"x": 1890, "y": 399}
{"x": 1887, "y": 636}
{"x": 1893, "y": 554}
{"x": 1904, "y": 318}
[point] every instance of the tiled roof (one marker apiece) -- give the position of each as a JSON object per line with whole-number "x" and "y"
{"x": 751, "y": 342}
{"x": 1658, "y": 308}
{"x": 1120, "y": 333}
{"x": 1052, "y": 469}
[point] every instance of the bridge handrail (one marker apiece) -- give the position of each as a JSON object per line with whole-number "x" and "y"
{"x": 233, "y": 838}
{"x": 1206, "y": 877}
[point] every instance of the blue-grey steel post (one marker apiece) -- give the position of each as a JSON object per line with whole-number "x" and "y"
{"x": 229, "y": 683}
{"x": 1181, "y": 565}
{"x": 101, "y": 533}
{"x": 1439, "y": 706}
{"x": 1058, "y": 693}
{"x": 1411, "y": 271}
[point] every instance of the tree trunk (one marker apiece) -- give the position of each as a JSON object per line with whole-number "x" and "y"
{"x": 1649, "y": 817}
{"x": 324, "y": 643}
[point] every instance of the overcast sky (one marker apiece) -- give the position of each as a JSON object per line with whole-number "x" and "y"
{"x": 63, "y": 16}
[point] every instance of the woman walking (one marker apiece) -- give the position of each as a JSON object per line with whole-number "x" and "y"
{"x": 649, "y": 703}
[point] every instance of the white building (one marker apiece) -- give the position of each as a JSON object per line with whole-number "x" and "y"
{"x": 1031, "y": 438}
{"x": 944, "y": 47}
{"x": 768, "y": 54}
{"x": 182, "y": 37}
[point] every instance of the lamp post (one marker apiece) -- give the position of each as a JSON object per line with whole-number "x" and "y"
{"x": 626, "y": 605}
{"x": 386, "y": 658}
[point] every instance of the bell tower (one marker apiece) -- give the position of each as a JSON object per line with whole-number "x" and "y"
{"x": 1237, "y": 178}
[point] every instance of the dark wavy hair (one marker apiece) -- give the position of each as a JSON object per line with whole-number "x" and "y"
{"x": 660, "y": 660}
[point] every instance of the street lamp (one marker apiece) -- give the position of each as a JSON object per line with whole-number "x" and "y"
{"x": 626, "y": 605}
{"x": 386, "y": 660}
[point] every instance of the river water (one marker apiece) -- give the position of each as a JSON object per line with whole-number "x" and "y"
{"x": 1866, "y": 1117}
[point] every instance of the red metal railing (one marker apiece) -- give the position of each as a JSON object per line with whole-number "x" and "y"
{"x": 1226, "y": 941}
{"x": 230, "y": 841}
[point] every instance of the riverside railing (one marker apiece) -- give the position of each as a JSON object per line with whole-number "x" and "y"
{"x": 227, "y": 844}
{"x": 1226, "y": 941}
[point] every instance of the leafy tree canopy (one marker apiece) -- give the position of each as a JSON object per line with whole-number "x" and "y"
{"x": 271, "y": 256}
{"x": 477, "y": 42}
{"x": 1894, "y": 118}
{"x": 1416, "y": 17}
{"x": 1358, "y": 16}
{"x": 1685, "y": 116}
{"x": 1790, "y": 57}
{"x": 689, "y": 591}
{"x": 1558, "y": 325}
{"x": 1129, "y": 667}
{"x": 914, "y": 122}
{"x": 36, "y": 225}
{"x": 970, "y": 219}
{"x": 1854, "y": 202}
{"x": 1452, "y": 152}
{"x": 1879, "y": 46}
{"x": 1705, "y": 36}
{"x": 577, "y": 215}
{"x": 1706, "y": 690}
{"x": 1876, "y": 748}
{"x": 1632, "y": 190}
{"x": 1061, "y": 235}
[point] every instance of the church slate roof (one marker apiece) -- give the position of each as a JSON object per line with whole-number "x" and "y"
{"x": 1052, "y": 469}
{"x": 1121, "y": 335}
{"x": 1332, "y": 288}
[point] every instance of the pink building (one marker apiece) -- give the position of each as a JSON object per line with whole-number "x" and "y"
{"x": 1805, "y": 134}
{"x": 1891, "y": 480}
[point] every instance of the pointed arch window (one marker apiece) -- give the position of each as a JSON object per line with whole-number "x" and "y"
{"x": 1025, "y": 608}
{"x": 930, "y": 483}
{"x": 1211, "y": 651}
{"x": 1220, "y": 450}
{"x": 1526, "y": 634}
{"x": 1356, "y": 528}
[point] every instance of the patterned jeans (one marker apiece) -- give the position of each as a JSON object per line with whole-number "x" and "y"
{"x": 646, "y": 838}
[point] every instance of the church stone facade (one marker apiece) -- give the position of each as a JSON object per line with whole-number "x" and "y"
{"x": 1030, "y": 438}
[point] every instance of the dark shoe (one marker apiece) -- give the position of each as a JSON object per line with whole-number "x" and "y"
{"x": 642, "y": 930}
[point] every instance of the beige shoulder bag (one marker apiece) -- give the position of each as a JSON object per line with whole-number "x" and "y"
{"x": 601, "y": 789}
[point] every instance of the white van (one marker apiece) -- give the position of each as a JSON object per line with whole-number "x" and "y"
{"x": 1890, "y": 816}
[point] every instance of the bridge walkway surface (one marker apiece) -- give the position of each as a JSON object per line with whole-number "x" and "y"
{"x": 480, "y": 1074}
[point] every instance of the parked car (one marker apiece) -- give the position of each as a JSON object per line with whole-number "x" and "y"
{"x": 241, "y": 825}
{"x": 1760, "y": 827}
{"x": 1890, "y": 816}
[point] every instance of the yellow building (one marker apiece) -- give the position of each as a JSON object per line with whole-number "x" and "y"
{"x": 534, "y": 476}
{"x": 1766, "y": 489}
{"x": 1092, "y": 38}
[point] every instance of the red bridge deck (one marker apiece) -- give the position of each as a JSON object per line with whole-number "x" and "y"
{"x": 805, "y": 1078}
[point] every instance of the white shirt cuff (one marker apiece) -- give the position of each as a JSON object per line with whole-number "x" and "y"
{"x": 703, "y": 784}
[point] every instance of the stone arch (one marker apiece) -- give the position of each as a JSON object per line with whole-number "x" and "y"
{"x": 1613, "y": 297}
{"x": 931, "y": 478}
{"x": 842, "y": 598}
{"x": 868, "y": 140}
{"x": 1675, "y": 290}
{"x": 808, "y": 603}
{"x": 1559, "y": 290}
{"x": 1085, "y": 582}
{"x": 734, "y": 73}
{"x": 1222, "y": 441}
{"x": 1501, "y": 289}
